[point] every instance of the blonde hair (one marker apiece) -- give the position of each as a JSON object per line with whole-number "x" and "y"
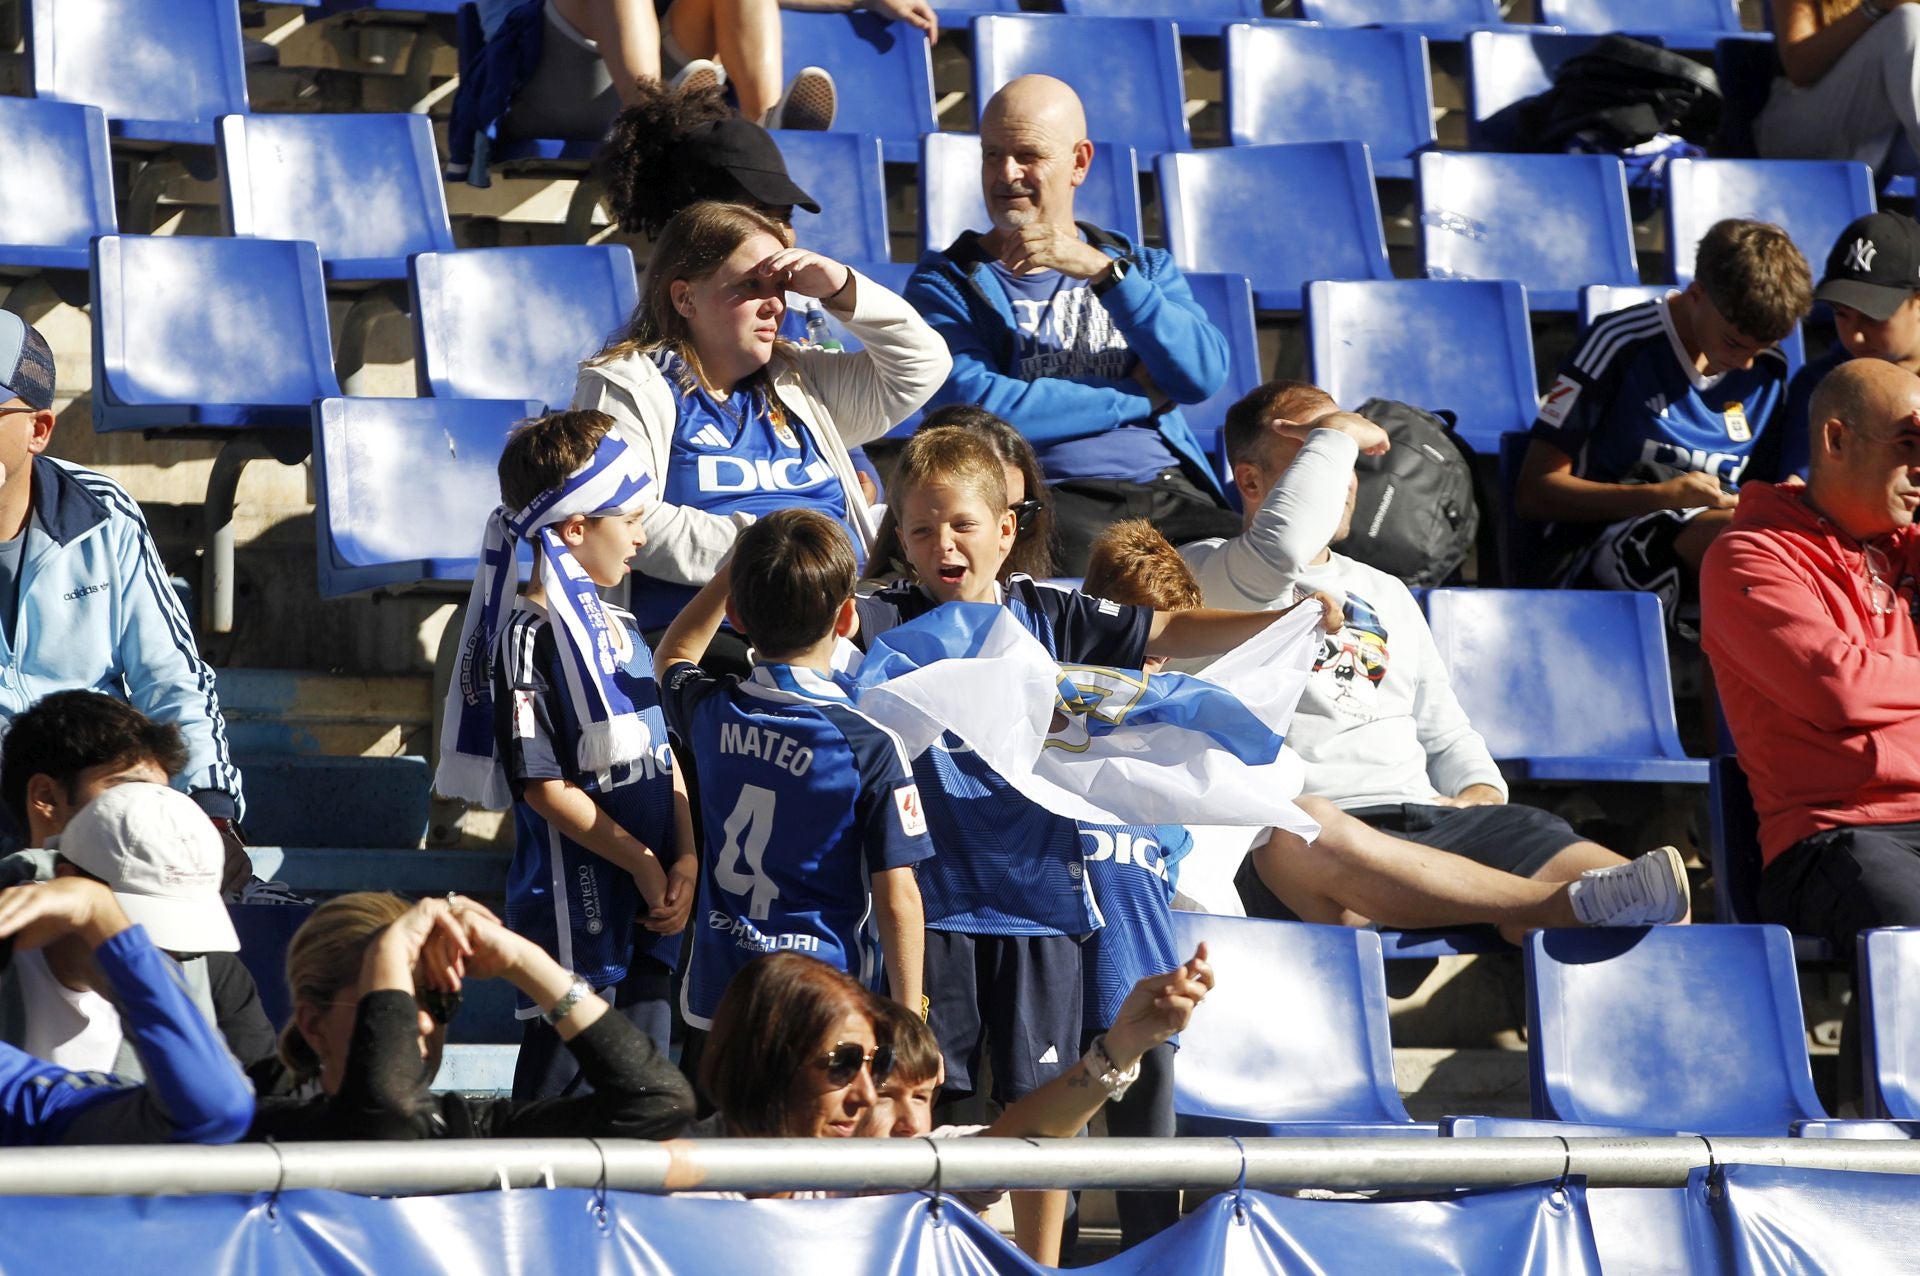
{"x": 692, "y": 246}
{"x": 952, "y": 455}
{"x": 325, "y": 957}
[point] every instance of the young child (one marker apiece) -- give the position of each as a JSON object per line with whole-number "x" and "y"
{"x": 1006, "y": 898}
{"x": 1644, "y": 435}
{"x": 812, "y": 821}
{"x": 554, "y": 708}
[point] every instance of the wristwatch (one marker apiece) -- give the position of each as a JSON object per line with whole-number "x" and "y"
{"x": 576, "y": 991}
{"x": 1106, "y": 1074}
{"x": 1109, "y": 279}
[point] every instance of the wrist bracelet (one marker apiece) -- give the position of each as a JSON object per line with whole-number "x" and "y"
{"x": 576, "y": 992}
{"x": 842, "y": 288}
{"x": 1106, "y": 1074}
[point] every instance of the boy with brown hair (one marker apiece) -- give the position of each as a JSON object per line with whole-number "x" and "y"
{"x": 1647, "y": 430}
{"x": 812, "y": 821}
{"x": 554, "y": 710}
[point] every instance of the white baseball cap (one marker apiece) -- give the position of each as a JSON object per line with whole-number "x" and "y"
{"x": 163, "y": 860}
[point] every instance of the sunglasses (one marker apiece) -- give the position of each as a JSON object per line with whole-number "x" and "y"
{"x": 845, "y": 1060}
{"x": 1024, "y": 512}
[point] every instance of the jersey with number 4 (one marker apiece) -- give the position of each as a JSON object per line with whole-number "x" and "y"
{"x": 802, "y": 799}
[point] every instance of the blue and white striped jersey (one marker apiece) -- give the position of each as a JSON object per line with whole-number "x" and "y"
{"x": 1131, "y": 869}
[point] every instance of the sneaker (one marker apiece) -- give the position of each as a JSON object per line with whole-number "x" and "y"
{"x": 810, "y": 102}
{"x": 274, "y": 892}
{"x": 698, "y": 76}
{"x": 1648, "y": 891}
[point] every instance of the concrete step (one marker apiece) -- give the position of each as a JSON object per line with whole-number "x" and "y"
{"x": 1471, "y": 1082}
{"x": 290, "y": 711}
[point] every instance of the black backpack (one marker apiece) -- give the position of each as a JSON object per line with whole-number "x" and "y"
{"x": 1415, "y": 516}
{"x": 1616, "y": 95}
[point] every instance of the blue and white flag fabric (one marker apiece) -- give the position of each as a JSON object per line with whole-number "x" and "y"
{"x": 1101, "y": 745}
{"x": 592, "y": 644}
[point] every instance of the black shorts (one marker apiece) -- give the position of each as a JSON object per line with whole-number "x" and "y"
{"x": 1016, "y": 995}
{"x": 1639, "y": 555}
{"x": 1514, "y": 839}
{"x": 1840, "y": 882}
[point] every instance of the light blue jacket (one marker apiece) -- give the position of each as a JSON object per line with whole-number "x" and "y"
{"x": 97, "y": 611}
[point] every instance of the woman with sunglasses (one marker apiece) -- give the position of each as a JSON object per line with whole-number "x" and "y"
{"x": 1033, "y": 542}
{"x": 375, "y": 983}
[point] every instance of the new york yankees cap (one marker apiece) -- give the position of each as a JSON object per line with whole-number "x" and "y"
{"x": 26, "y": 362}
{"x": 1874, "y": 265}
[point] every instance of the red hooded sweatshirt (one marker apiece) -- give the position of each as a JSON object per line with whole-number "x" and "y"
{"x": 1822, "y": 694}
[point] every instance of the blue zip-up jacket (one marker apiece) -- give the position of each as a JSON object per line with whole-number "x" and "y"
{"x": 1152, "y": 307}
{"x": 194, "y": 1092}
{"x": 96, "y": 611}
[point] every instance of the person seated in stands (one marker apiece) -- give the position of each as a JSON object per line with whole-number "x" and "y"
{"x": 821, "y": 796}
{"x": 799, "y": 1050}
{"x": 1848, "y": 90}
{"x": 374, "y": 984}
{"x": 1808, "y": 609}
{"x": 1416, "y": 830}
{"x": 1083, "y": 341}
{"x": 87, "y": 776}
{"x": 1872, "y": 285}
{"x": 1033, "y": 538}
{"x": 193, "y": 1091}
{"x": 736, "y": 422}
{"x": 84, "y": 597}
{"x": 555, "y": 712}
{"x": 1644, "y": 436}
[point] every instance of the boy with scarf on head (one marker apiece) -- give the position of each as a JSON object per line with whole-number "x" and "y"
{"x": 553, "y": 709}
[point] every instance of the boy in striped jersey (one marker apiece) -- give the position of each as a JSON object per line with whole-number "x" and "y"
{"x": 1643, "y": 437}
{"x": 603, "y": 871}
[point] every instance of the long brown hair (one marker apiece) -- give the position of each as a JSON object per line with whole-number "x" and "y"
{"x": 769, "y": 1025}
{"x": 692, "y": 246}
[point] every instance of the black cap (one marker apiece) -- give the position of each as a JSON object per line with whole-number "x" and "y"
{"x": 746, "y": 153}
{"x": 1874, "y": 266}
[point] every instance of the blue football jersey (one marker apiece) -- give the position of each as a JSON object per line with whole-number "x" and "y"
{"x": 1007, "y": 866}
{"x": 739, "y": 454}
{"x": 579, "y": 907}
{"x": 802, "y": 799}
{"x": 1628, "y": 405}
{"x": 1131, "y": 868}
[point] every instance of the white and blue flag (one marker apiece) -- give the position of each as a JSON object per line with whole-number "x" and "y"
{"x": 1096, "y": 744}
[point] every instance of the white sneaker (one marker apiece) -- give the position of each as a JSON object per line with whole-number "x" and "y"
{"x": 810, "y": 102}
{"x": 699, "y": 75}
{"x": 1648, "y": 891}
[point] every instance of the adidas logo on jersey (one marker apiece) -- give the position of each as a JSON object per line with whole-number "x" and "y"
{"x": 1051, "y": 1056}
{"x": 727, "y": 474}
{"x": 1657, "y": 405}
{"x": 709, "y": 435}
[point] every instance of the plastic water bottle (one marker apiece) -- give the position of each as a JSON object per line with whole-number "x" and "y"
{"x": 817, "y": 330}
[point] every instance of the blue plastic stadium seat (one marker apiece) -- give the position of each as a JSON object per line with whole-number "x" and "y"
{"x": 329, "y": 8}
{"x": 1228, "y": 302}
{"x": 951, "y": 198}
{"x": 1193, "y": 17}
{"x": 1552, "y": 222}
{"x": 1402, "y": 339}
{"x": 1682, "y": 24}
{"x": 404, "y": 487}
{"x": 1690, "y": 1028}
{"x": 1505, "y": 66}
{"x": 514, "y": 323}
{"x": 883, "y": 71}
{"x": 1288, "y": 82}
{"x": 1294, "y": 1040}
{"x": 1436, "y": 19}
{"x": 57, "y": 152}
{"x": 365, "y": 188}
{"x": 1280, "y": 215}
{"x": 1132, "y": 88}
{"x": 208, "y": 335}
{"x": 162, "y": 70}
{"x": 843, "y": 173}
{"x": 1565, "y": 684}
{"x": 1812, "y": 199}
{"x": 1890, "y": 1021}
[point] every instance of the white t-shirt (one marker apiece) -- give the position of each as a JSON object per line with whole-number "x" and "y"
{"x": 1378, "y": 724}
{"x": 79, "y": 1031}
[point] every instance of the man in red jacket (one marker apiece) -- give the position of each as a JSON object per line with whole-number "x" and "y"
{"x": 1808, "y": 608}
